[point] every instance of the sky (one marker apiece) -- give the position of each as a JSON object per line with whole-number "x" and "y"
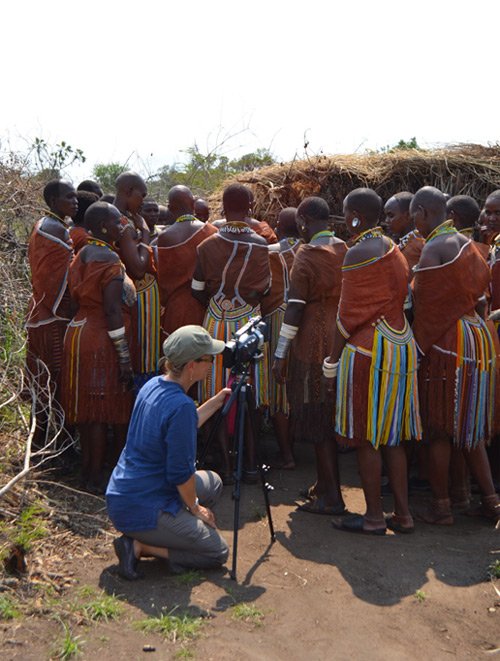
{"x": 139, "y": 82}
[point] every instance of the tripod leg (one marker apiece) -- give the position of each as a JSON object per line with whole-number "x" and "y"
{"x": 240, "y": 431}
{"x": 262, "y": 472}
{"x": 265, "y": 491}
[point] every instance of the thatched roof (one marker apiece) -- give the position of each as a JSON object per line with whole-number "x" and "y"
{"x": 458, "y": 170}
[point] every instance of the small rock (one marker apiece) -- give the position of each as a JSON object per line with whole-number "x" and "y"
{"x": 492, "y": 610}
{"x": 148, "y": 648}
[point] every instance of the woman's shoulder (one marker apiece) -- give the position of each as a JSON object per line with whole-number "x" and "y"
{"x": 91, "y": 253}
{"x": 170, "y": 389}
{"x": 368, "y": 250}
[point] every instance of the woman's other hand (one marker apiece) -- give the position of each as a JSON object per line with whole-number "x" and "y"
{"x": 204, "y": 514}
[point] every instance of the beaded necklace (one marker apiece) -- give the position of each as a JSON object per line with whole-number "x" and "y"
{"x": 320, "y": 235}
{"x": 445, "y": 228}
{"x": 100, "y": 242}
{"x": 468, "y": 232}
{"x": 372, "y": 233}
{"x": 56, "y": 217}
{"x": 235, "y": 227}
{"x": 186, "y": 217}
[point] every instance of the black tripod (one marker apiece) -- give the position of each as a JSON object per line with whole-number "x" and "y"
{"x": 242, "y": 395}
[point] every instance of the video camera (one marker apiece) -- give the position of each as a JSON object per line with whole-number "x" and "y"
{"x": 246, "y": 345}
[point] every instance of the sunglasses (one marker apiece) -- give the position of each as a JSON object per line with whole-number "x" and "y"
{"x": 205, "y": 360}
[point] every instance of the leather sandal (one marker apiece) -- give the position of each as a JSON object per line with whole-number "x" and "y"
{"x": 400, "y": 524}
{"x": 309, "y": 493}
{"x": 355, "y": 523}
{"x": 317, "y": 505}
{"x": 438, "y": 512}
{"x": 488, "y": 509}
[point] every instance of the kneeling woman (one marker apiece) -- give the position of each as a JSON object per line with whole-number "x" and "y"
{"x": 155, "y": 496}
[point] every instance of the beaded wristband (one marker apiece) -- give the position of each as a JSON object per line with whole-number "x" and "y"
{"x": 118, "y": 332}
{"x": 282, "y": 347}
{"x": 120, "y": 343}
{"x": 288, "y": 331}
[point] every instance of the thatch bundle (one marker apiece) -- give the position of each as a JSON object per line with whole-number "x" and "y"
{"x": 458, "y": 170}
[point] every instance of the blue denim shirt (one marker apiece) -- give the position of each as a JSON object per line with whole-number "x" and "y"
{"x": 159, "y": 454}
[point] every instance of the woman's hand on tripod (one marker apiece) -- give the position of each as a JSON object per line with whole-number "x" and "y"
{"x": 206, "y": 410}
{"x": 204, "y": 514}
{"x": 220, "y": 397}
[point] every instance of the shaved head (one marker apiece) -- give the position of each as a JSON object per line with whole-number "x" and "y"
{"x": 403, "y": 199}
{"x": 97, "y": 214}
{"x": 236, "y": 199}
{"x": 432, "y": 200}
{"x": 287, "y": 223}
{"x": 166, "y": 217}
{"x": 90, "y": 186}
{"x": 54, "y": 189}
{"x": 494, "y": 195}
{"x": 180, "y": 201}
{"x": 365, "y": 203}
{"x": 465, "y": 211}
{"x": 314, "y": 208}
{"x": 201, "y": 210}
{"x": 428, "y": 209}
{"x": 85, "y": 200}
{"x": 126, "y": 181}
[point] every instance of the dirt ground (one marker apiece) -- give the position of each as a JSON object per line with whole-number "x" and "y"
{"x": 318, "y": 593}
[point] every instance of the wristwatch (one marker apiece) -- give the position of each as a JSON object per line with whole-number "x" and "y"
{"x": 195, "y": 504}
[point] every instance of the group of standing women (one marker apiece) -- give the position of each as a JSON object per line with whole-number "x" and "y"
{"x": 413, "y": 356}
{"x": 344, "y": 364}
{"x": 85, "y": 340}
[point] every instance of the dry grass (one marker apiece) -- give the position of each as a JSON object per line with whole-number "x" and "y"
{"x": 458, "y": 170}
{"x": 55, "y": 508}
{"x": 19, "y": 207}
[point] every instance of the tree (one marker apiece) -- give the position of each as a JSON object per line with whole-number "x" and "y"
{"x": 252, "y": 161}
{"x": 402, "y": 145}
{"x": 49, "y": 162}
{"x": 204, "y": 172}
{"x": 201, "y": 172}
{"x": 106, "y": 175}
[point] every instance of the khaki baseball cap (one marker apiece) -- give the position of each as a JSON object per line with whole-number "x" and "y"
{"x": 190, "y": 343}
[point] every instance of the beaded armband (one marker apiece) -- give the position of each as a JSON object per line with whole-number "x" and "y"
{"x": 287, "y": 334}
{"x": 120, "y": 343}
{"x": 330, "y": 369}
{"x": 198, "y": 285}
